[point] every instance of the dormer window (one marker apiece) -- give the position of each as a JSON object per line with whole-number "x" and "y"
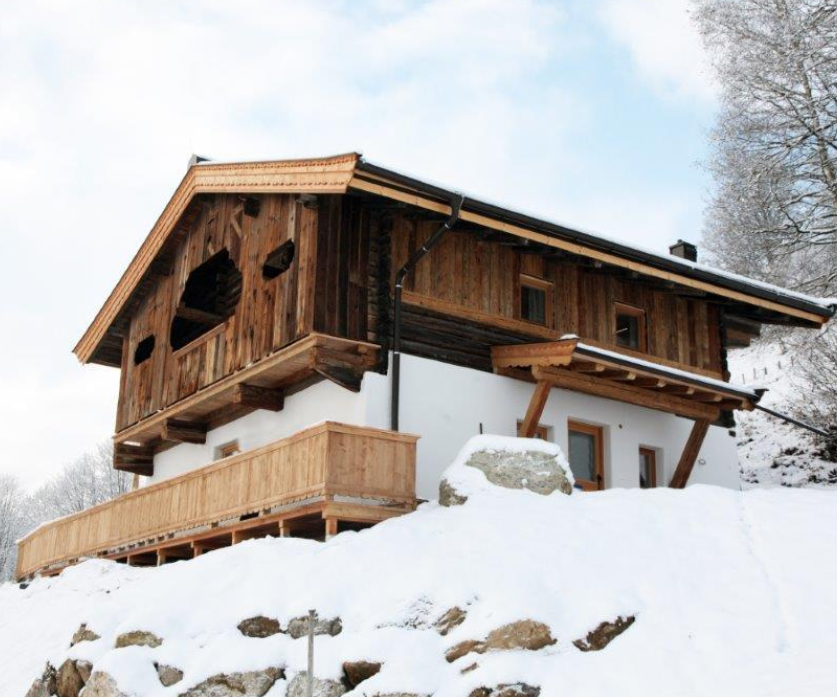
{"x": 536, "y": 300}
{"x": 631, "y": 330}
{"x": 209, "y": 299}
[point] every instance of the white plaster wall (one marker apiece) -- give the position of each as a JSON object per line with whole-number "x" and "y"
{"x": 445, "y": 405}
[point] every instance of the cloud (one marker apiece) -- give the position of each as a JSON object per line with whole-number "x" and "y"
{"x": 664, "y": 45}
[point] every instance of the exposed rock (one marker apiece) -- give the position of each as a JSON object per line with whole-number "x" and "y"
{"x": 448, "y": 496}
{"x": 83, "y": 634}
{"x": 259, "y": 627}
{"x": 398, "y": 694}
{"x": 45, "y": 685}
{"x": 253, "y": 683}
{"x": 602, "y": 635}
{"x": 463, "y": 647}
{"x": 169, "y": 675}
{"x": 84, "y": 668}
{"x": 68, "y": 682}
{"x": 470, "y": 668}
{"x": 532, "y": 470}
{"x": 101, "y": 684}
{"x": 298, "y": 626}
{"x": 355, "y": 672}
{"x": 524, "y": 634}
{"x": 520, "y": 689}
{"x": 138, "y": 638}
{"x": 450, "y": 620}
{"x": 322, "y": 688}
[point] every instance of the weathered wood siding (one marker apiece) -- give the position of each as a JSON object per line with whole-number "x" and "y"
{"x": 477, "y": 282}
{"x": 270, "y": 313}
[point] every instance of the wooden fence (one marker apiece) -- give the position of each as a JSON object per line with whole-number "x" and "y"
{"x": 323, "y": 461}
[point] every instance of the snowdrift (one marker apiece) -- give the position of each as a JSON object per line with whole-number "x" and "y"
{"x": 731, "y": 594}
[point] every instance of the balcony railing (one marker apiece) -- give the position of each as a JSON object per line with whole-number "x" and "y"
{"x": 347, "y": 468}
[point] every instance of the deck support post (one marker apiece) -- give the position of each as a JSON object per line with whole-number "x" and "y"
{"x": 330, "y": 528}
{"x": 536, "y": 406}
{"x": 690, "y": 453}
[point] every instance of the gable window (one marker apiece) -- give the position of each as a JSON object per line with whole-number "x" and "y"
{"x": 209, "y": 299}
{"x": 536, "y": 300}
{"x": 144, "y": 350}
{"x": 631, "y": 330}
{"x": 279, "y": 260}
{"x": 647, "y": 468}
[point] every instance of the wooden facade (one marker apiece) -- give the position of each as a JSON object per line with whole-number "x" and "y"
{"x": 328, "y": 472}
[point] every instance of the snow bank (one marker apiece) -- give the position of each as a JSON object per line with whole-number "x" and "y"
{"x": 732, "y": 594}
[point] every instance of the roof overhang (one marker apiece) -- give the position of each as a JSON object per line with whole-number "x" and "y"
{"x": 342, "y": 173}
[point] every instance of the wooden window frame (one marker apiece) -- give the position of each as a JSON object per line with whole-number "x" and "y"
{"x": 641, "y": 315}
{"x": 527, "y": 281}
{"x": 228, "y": 449}
{"x": 598, "y": 434}
{"x": 651, "y": 453}
{"x": 542, "y": 431}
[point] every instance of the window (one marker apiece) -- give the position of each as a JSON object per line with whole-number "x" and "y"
{"x": 144, "y": 350}
{"x": 209, "y": 299}
{"x": 647, "y": 468}
{"x": 630, "y": 327}
{"x": 586, "y": 455}
{"x": 227, "y": 450}
{"x": 536, "y": 300}
{"x": 279, "y": 260}
{"x": 541, "y": 432}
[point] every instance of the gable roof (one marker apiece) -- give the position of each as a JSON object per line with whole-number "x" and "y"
{"x": 341, "y": 173}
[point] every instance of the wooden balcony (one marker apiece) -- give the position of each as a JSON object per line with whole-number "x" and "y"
{"x": 311, "y": 484}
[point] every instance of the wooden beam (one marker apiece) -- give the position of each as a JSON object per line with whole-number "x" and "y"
{"x": 650, "y": 383}
{"x": 690, "y": 453}
{"x": 618, "y": 375}
{"x": 587, "y": 367}
{"x": 683, "y": 390}
{"x": 629, "y": 393}
{"x": 138, "y": 459}
{"x": 535, "y": 410}
{"x": 256, "y": 397}
{"x": 201, "y": 316}
{"x": 555, "y": 353}
{"x": 177, "y": 431}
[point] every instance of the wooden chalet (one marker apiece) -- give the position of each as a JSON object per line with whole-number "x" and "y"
{"x": 264, "y": 282}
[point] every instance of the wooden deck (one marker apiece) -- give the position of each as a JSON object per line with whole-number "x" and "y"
{"x": 310, "y": 484}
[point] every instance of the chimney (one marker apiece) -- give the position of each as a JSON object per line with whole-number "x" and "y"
{"x": 684, "y": 250}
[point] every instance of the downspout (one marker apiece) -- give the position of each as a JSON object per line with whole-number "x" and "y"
{"x": 415, "y": 257}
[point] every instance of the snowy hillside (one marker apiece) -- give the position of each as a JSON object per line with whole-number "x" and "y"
{"x": 714, "y": 592}
{"x": 773, "y": 452}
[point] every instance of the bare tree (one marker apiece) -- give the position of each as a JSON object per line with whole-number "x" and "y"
{"x": 774, "y": 210}
{"x": 87, "y": 481}
{"x": 12, "y": 500}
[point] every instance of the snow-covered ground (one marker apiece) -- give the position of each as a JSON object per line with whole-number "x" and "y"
{"x": 732, "y": 594}
{"x": 771, "y": 451}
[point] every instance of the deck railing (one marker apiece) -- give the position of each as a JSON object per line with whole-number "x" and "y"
{"x": 327, "y": 460}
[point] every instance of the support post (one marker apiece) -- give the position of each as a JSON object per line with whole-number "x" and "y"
{"x": 312, "y": 621}
{"x": 536, "y": 406}
{"x": 690, "y": 453}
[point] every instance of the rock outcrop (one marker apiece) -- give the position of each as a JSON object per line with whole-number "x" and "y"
{"x": 355, "y": 672}
{"x": 68, "y": 683}
{"x": 169, "y": 675}
{"x": 259, "y": 627}
{"x": 602, "y": 635}
{"x": 524, "y": 634}
{"x": 450, "y": 620}
{"x": 322, "y": 688}
{"x": 250, "y": 684}
{"x": 520, "y": 689}
{"x": 84, "y": 668}
{"x": 138, "y": 638}
{"x": 298, "y": 626}
{"x": 83, "y": 634}
{"x": 101, "y": 684}
{"x": 514, "y": 463}
{"x": 45, "y": 685}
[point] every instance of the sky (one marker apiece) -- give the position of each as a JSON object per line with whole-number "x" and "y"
{"x": 594, "y": 113}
